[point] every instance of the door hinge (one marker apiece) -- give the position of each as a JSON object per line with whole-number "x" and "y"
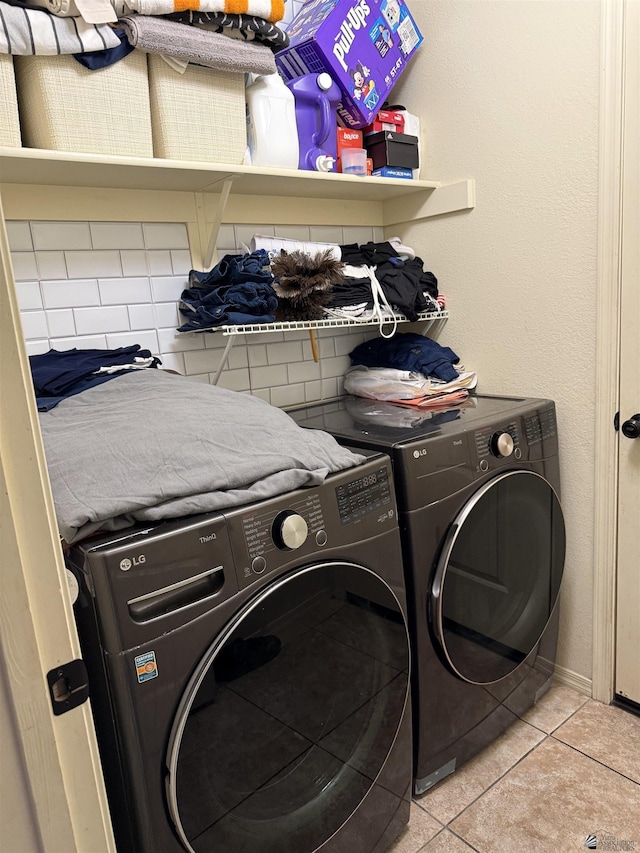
{"x": 68, "y": 686}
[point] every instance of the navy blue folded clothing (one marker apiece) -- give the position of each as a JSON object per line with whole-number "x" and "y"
{"x": 408, "y": 351}
{"x": 237, "y": 291}
{"x": 59, "y": 374}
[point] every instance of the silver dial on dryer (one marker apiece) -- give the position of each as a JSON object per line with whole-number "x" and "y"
{"x": 289, "y": 530}
{"x": 501, "y": 444}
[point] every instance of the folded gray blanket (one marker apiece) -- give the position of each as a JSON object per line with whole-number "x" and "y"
{"x": 159, "y": 35}
{"x": 153, "y": 445}
{"x": 25, "y": 32}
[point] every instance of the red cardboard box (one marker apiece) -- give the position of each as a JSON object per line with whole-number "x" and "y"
{"x": 386, "y": 120}
{"x": 348, "y": 138}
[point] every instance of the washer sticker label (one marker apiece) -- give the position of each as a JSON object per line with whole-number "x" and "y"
{"x": 146, "y": 666}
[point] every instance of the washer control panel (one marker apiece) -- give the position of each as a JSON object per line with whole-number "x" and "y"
{"x": 369, "y": 493}
{"x": 498, "y": 442}
{"x": 540, "y": 426}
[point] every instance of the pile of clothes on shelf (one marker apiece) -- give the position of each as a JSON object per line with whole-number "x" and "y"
{"x": 410, "y": 370}
{"x": 101, "y": 32}
{"x": 296, "y": 281}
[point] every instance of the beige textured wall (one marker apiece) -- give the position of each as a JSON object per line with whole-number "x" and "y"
{"x": 508, "y": 93}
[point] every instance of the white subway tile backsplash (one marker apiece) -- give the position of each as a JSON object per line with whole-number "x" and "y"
{"x": 226, "y": 236}
{"x": 51, "y": 265}
{"x": 28, "y": 294}
{"x": 167, "y": 289}
{"x": 285, "y": 352}
{"x": 24, "y": 265}
{"x": 173, "y": 361}
{"x": 312, "y": 391}
{"x": 19, "y": 235}
{"x": 146, "y": 340}
{"x": 141, "y": 317}
{"x": 257, "y": 355}
{"x": 37, "y": 347}
{"x": 237, "y": 358}
{"x": 293, "y": 232}
{"x": 235, "y": 380}
{"x": 287, "y": 395}
{"x": 181, "y": 261}
{"x": 107, "y": 319}
{"x": 166, "y": 315}
{"x": 326, "y": 234}
{"x": 329, "y": 388}
{"x": 158, "y": 235}
{"x": 34, "y": 324}
{"x": 134, "y": 262}
{"x": 345, "y": 343}
{"x": 201, "y": 361}
{"x": 159, "y": 262}
{"x": 172, "y": 341}
{"x": 304, "y": 371}
{"x": 61, "y": 235}
{"x": 268, "y": 377}
{"x": 123, "y": 291}
{"x": 102, "y": 263}
{"x": 70, "y": 294}
{"x": 61, "y": 323}
{"x": 357, "y": 234}
{"x": 244, "y": 233}
{"x": 216, "y": 340}
{"x": 335, "y": 366}
{"x": 263, "y": 393}
{"x": 80, "y": 342}
{"x": 116, "y": 235}
{"x": 68, "y": 300}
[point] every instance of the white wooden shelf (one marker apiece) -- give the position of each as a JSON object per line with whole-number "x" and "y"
{"x": 60, "y": 168}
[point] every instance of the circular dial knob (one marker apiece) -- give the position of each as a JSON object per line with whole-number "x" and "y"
{"x": 631, "y": 427}
{"x": 501, "y": 444}
{"x": 289, "y": 530}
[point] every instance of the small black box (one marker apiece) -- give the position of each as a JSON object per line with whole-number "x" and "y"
{"x": 388, "y": 148}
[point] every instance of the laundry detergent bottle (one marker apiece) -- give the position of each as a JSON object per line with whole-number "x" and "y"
{"x": 317, "y": 97}
{"x": 272, "y": 133}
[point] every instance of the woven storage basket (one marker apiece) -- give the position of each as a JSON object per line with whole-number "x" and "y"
{"x": 198, "y": 115}
{"x": 66, "y": 107}
{"x": 9, "y": 123}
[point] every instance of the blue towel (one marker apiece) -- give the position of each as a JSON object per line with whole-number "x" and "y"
{"x": 408, "y": 351}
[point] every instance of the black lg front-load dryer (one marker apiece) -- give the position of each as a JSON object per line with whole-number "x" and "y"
{"x": 484, "y": 544}
{"x": 249, "y": 673}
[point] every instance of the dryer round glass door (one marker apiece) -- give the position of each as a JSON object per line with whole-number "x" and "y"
{"x": 290, "y": 715}
{"x": 498, "y": 576}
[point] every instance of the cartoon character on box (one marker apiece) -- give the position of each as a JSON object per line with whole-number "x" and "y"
{"x": 362, "y": 85}
{"x": 391, "y": 11}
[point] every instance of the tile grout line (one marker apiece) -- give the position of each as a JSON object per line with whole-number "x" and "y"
{"x": 596, "y": 760}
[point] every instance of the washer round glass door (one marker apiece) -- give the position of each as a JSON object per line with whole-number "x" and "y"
{"x": 290, "y": 715}
{"x": 498, "y": 576}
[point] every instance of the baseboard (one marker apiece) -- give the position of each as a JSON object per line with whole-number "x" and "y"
{"x": 572, "y": 679}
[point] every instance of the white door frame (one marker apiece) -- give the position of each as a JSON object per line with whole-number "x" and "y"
{"x": 608, "y": 345}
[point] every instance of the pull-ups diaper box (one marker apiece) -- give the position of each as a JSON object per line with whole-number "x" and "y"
{"x": 65, "y": 107}
{"x": 364, "y": 45}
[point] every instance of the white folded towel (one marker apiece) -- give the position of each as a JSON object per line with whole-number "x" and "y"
{"x": 25, "y": 32}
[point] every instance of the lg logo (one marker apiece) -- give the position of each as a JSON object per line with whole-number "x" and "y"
{"x": 126, "y": 564}
{"x": 418, "y": 453}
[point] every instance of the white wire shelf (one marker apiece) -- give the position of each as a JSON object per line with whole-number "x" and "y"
{"x": 329, "y": 323}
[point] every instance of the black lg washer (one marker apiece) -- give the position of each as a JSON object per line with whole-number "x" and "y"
{"x": 249, "y": 673}
{"x": 484, "y": 543}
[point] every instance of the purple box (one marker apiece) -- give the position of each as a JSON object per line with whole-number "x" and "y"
{"x": 363, "y": 44}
